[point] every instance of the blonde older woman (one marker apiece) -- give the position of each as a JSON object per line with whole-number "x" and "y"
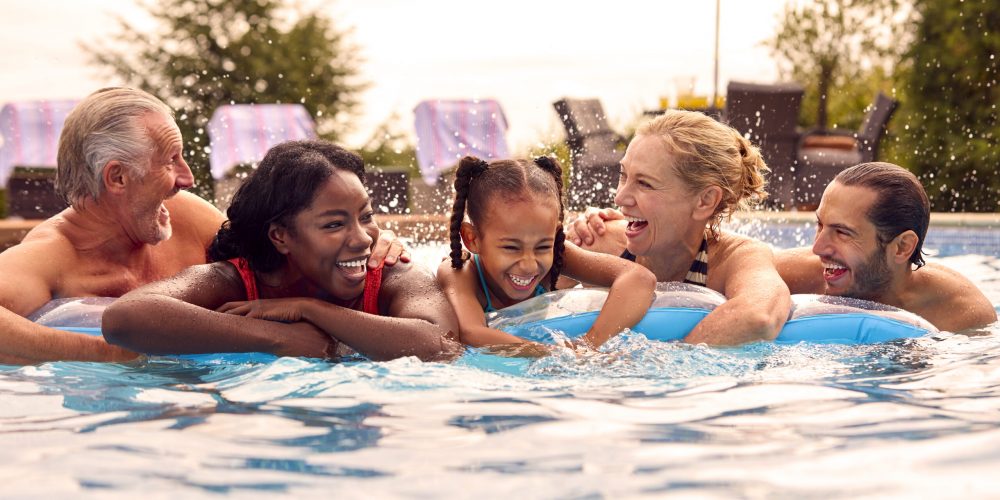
{"x": 682, "y": 175}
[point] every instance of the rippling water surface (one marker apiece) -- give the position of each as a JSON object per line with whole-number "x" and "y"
{"x": 913, "y": 418}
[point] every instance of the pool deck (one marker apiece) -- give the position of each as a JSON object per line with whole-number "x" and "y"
{"x": 427, "y": 227}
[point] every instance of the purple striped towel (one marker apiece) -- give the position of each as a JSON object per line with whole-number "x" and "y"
{"x": 242, "y": 133}
{"x": 30, "y": 132}
{"x": 449, "y": 130}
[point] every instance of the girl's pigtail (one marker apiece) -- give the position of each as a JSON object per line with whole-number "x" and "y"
{"x": 549, "y": 165}
{"x": 468, "y": 168}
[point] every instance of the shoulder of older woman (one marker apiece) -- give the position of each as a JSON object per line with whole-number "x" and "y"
{"x": 733, "y": 254}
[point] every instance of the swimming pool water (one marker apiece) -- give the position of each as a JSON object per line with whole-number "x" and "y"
{"x": 910, "y": 418}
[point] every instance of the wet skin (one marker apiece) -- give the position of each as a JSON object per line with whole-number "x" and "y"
{"x": 516, "y": 250}
{"x": 330, "y": 241}
{"x": 167, "y": 174}
{"x": 854, "y": 263}
{"x": 652, "y": 197}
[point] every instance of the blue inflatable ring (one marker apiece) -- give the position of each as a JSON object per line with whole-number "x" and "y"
{"x": 676, "y": 310}
{"x": 679, "y": 307}
{"x": 83, "y": 315}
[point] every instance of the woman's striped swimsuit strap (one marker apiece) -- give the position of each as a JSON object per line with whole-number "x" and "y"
{"x": 698, "y": 273}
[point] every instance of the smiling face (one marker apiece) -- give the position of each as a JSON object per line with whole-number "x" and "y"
{"x": 331, "y": 239}
{"x": 515, "y": 244}
{"x": 167, "y": 174}
{"x": 855, "y": 264}
{"x": 658, "y": 205}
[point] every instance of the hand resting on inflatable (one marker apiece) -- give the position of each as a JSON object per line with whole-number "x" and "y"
{"x": 287, "y": 310}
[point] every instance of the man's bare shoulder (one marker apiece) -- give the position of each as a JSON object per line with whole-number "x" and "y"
{"x": 193, "y": 216}
{"x": 45, "y": 246}
{"x": 191, "y": 205}
{"x": 949, "y": 299}
{"x": 943, "y": 278}
{"x": 33, "y": 269}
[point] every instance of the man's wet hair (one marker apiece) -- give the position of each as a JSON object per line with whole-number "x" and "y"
{"x": 106, "y": 126}
{"x": 901, "y": 203}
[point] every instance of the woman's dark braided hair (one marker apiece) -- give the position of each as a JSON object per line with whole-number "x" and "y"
{"x": 476, "y": 181}
{"x": 284, "y": 184}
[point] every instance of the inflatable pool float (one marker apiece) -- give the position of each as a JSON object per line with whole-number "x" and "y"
{"x": 83, "y": 315}
{"x": 677, "y": 309}
{"x": 75, "y": 314}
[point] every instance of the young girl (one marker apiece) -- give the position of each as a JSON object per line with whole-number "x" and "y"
{"x": 516, "y": 238}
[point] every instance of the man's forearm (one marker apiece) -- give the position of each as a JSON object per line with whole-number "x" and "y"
{"x": 155, "y": 324}
{"x": 25, "y": 342}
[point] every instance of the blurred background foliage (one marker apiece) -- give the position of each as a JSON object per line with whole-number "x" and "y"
{"x": 938, "y": 57}
{"x": 205, "y": 53}
{"x": 841, "y": 51}
{"x": 948, "y": 124}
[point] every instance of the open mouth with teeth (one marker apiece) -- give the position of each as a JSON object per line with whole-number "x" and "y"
{"x": 521, "y": 283}
{"x": 635, "y": 225}
{"x": 354, "y": 268}
{"x": 833, "y": 272}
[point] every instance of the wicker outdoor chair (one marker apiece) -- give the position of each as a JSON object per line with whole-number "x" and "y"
{"x": 823, "y": 154}
{"x": 596, "y": 152}
{"x": 767, "y": 115}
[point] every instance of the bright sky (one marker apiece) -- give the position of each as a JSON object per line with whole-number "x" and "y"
{"x": 525, "y": 53}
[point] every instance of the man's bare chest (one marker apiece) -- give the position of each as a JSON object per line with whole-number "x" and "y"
{"x": 94, "y": 276}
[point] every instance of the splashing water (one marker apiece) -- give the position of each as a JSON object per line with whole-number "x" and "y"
{"x": 910, "y": 418}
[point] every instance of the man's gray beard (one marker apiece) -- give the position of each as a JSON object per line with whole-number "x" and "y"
{"x": 160, "y": 233}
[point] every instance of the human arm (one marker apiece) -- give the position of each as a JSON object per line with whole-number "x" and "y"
{"x": 417, "y": 320}
{"x": 630, "y": 295}
{"x": 596, "y": 230}
{"x": 459, "y": 286}
{"x": 800, "y": 269}
{"x": 757, "y": 300}
{"x": 176, "y": 316}
{"x": 29, "y": 270}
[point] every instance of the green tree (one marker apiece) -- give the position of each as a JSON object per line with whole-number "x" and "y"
{"x": 950, "y": 115}
{"x": 842, "y": 52}
{"x": 389, "y": 146}
{"x": 205, "y": 53}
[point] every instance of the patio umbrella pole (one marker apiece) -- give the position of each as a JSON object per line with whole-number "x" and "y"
{"x": 715, "y": 75}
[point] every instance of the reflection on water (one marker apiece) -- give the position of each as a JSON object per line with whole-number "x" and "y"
{"x": 911, "y": 418}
